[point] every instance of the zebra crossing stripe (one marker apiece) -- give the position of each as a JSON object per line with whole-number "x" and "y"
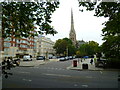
{"x": 49, "y": 68}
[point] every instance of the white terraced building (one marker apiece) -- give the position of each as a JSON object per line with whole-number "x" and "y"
{"x": 45, "y": 47}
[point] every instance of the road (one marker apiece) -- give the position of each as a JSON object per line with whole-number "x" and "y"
{"x": 55, "y": 75}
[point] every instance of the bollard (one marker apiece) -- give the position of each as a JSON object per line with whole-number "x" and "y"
{"x": 84, "y": 66}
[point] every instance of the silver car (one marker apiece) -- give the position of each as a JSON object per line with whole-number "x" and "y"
{"x": 27, "y": 58}
{"x": 61, "y": 59}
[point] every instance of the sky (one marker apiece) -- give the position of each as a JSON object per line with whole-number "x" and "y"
{"x": 87, "y": 26}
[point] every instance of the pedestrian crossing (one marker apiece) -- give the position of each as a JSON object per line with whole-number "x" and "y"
{"x": 49, "y": 68}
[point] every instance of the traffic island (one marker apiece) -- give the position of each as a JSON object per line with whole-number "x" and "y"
{"x": 85, "y": 67}
{"x": 90, "y": 68}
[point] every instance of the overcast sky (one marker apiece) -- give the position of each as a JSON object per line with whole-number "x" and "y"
{"x": 87, "y": 26}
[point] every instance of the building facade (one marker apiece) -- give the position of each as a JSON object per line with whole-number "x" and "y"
{"x": 14, "y": 47}
{"x": 72, "y": 34}
{"x": 79, "y": 43}
{"x": 45, "y": 47}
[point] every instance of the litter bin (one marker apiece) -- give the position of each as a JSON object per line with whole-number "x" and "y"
{"x": 75, "y": 63}
{"x": 84, "y": 66}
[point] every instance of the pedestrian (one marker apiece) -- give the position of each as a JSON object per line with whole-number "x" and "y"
{"x": 91, "y": 61}
{"x": 81, "y": 60}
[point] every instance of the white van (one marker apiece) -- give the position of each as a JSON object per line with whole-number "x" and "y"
{"x": 27, "y": 58}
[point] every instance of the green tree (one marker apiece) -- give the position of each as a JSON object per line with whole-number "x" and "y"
{"x": 57, "y": 46}
{"x": 93, "y": 47}
{"x": 70, "y": 47}
{"x": 68, "y": 40}
{"x": 90, "y": 48}
{"x": 64, "y": 46}
{"x": 111, "y": 31}
{"x": 71, "y": 50}
{"x": 60, "y": 46}
{"x": 20, "y": 18}
{"x": 78, "y": 53}
{"x": 83, "y": 49}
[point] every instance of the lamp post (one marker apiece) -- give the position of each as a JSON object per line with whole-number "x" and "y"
{"x": 67, "y": 51}
{"x": 46, "y": 55}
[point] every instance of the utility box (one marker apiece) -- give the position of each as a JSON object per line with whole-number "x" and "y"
{"x": 84, "y": 66}
{"x": 74, "y": 63}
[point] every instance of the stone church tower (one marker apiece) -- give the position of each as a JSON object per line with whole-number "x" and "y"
{"x": 72, "y": 34}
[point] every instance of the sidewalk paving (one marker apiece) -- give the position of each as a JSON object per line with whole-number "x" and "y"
{"x": 35, "y": 62}
{"x": 90, "y": 67}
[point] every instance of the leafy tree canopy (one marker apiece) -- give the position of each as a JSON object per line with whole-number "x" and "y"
{"x": 20, "y": 18}
{"x": 90, "y": 48}
{"x": 111, "y": 31}
{"x": 64, "y": 46}
{"x": 68, "y": 40}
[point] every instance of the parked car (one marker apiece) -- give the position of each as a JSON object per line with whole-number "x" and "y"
{"x": 66, "y": 58}
{"x": 61, "y": 59}
{"x": 100, "y": 63}
{"x": 54, "y": 57}
{"x": 70, "y": 57}
{"x": 27, "y": 58}
{"x": 73, "y": 57}
{"x": 40, "y": 58}
{"x": 50, "y": 57}
{"x": 86, "y": 57}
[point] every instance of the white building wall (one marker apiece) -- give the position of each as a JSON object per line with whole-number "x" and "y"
{"x": 45, "y": 46}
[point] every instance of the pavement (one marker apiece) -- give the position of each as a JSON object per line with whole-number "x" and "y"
{"x": 35, "y": 62}
{"x": 91, "y": 67}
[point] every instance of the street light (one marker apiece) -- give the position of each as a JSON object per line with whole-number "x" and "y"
{"x": 67, "y": 51}
{"x": 46, "y": 55}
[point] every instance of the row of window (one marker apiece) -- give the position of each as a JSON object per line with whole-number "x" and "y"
{"x": 24, "y": 46}
{"x": 18, "y": 41}
{"x": 13, "y": 50}
{"x": 6, "y": 49}
{"x": 7, "y": 44}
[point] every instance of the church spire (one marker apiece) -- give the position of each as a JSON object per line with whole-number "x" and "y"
{"x": 72, "y": 34}
{"x": 72, "y": 23}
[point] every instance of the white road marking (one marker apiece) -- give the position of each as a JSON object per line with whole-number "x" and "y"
{"x": 84, "y": 85}
{"x": 101, "y": 72}
{"x": 30, "y": 80}
{"x": 57, "y": 75}
{"x": 75, "y": 85}
{"x": 27, "y": 80}
{"x": 89, "y": 77}
{"x": 56, "y": 68}
{"x": 24, "y": 72}
{"x": 53, "y": 68}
